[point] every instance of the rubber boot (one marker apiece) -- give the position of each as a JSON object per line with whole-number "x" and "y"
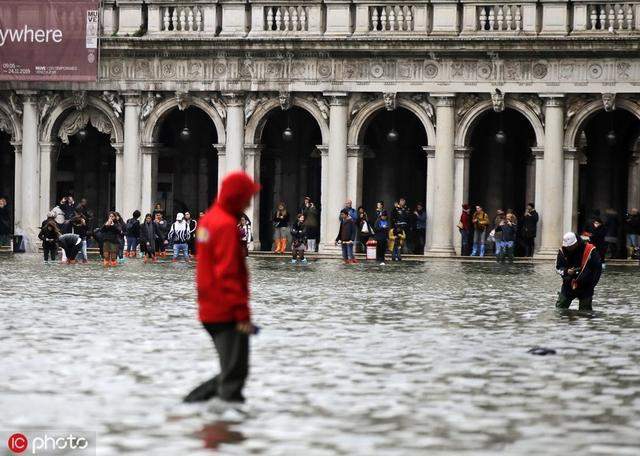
{"x": 277, "y": 245}
{"x": 283, "y": 245}
{"x": 474, "y": 252}
{"x": 562, "y": 302}
{"x": 585, "y": 304}
{"x": 481, "y": 250}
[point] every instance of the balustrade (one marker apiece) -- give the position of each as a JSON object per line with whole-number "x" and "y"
{"x": 286, "y": 18}
{"x": 182, "y": 19}
{"x": 611, "y": 17}
{"x": 499, "y": 18}
{"x": 391, "y": 18}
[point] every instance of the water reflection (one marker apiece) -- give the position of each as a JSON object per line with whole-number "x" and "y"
{"x": 404, "y": 359}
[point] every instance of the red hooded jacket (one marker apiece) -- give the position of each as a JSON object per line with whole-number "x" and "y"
{"x": 221, "y": 272}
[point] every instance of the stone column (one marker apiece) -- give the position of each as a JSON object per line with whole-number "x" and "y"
{"x": 235, "y": 131}
{"x": 634, "y": 181}
{"x": 222, "y": 162}
{"x": 570, "y": 203}
{"x": 324, "y": 191}
{"x": 442, "y": 237}
{"x": 461, "y": 191}
{"x": 30, "y": 190}
{"x": 17, "y": 187}
{"x": 131, "y": 182}
{"x": 149, "y": 176}
{"x": 431, "y": 191}
{"x": 252, "y": 156}
{"x": 355, "y": 156}
{"x": 119, "y": 150}
{"x": 47, "y": 152}
{"x": 553, "y": 179}
{"x": 337, "y": 164}
{"x": 538, "y": 155}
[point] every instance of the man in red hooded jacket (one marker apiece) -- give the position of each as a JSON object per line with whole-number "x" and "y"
{"x": 223, "y": 289}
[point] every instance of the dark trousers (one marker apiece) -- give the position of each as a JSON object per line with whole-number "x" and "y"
{"x": 420, "y": 239}
{"x": 72, "y": 251}
{"x": 50, "y": 249}
{"x": 567, "y": 295}
{"x": 381, "y": 249}
{"x": 528, "y": 245}
{"x": 233, "y": 350}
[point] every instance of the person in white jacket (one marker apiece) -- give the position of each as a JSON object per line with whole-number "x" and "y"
{"x": 179, "y": 234}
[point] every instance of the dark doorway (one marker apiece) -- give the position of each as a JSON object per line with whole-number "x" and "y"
{"x": 7, "y": 173}
{"x": 188, "y": 162}
{"x": 394, "y": 169}
{"x": 498, "y": 168}
{"x": 86, "y": 168}
{"x": 604, "y": 179}
{"x": 289, "y": 170}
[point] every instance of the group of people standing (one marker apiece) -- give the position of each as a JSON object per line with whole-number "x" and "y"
{"x": 66, "y": 226}
{"x": 504, "y": 232}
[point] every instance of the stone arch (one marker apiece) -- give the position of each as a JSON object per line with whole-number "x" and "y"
{"x": 590, "y": 109}
{"x": 151, "y": 128}
{"x": 470, "y": 119}
{"x": 10, "y": 123}
{"x": 52, "y": 121}
{"x": 362, "y": 119}
{"x": 257, "y": 122}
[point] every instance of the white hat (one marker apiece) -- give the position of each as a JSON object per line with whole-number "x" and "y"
{"x": 180, "y": 216}
{"x": 569, "y": 239}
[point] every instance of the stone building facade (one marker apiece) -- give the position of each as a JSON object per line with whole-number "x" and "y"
{"x": 559, "y": 79}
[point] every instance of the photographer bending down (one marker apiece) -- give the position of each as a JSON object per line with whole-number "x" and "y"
{"x": 580, "y": 267}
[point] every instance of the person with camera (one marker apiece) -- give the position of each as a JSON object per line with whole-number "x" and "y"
{"x": 579, "y": 265}
{"x": 508, "y": 228}
{"x": 311, "y": 222}
{"x": 529, "y": 229}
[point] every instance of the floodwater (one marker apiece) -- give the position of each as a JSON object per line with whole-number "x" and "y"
{"x": 405, "y": 359}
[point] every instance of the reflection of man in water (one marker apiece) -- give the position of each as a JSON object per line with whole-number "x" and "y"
{"x": 580, "y": 267}
{"x": 223, "y": 289}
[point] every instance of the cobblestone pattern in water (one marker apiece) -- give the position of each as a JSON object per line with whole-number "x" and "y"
{"x": 401, "y": 360}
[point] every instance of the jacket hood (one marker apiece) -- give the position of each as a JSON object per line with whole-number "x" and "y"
{"x": 236, "y": 192}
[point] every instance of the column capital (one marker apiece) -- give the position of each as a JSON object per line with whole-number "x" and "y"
{"x": 430, "y": 151}
{"x": 445, "y": 99}
{"x": 221, "y": 149}
{"x": 150, "y": 148}
{"x": 570, "y": 153}
{"x": 132, "y": 98}
{"x": 356, "y": 151}
{"x": 28, "y": 96}
{"x": 253, "y": 150}
{"x": 234, "y": 99}
{"x": 323, "y": 149}
{"x": 462, "y": 152}
{"x": 17, "y": 147}
{"x": 119, "y": 148}
{"x": 537, "y": 152}
{"x": 553, "y": 100}
{"x": 337, "y": 98}
{"x": 634, "y": 158}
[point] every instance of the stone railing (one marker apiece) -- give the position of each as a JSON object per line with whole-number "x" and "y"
{"x": 381, "y": 18}
{"x": 285, "y": 18}
{"x": 605, "y": 17}
{"x": 178, "y": 17}
{"x": 499, "y": 18}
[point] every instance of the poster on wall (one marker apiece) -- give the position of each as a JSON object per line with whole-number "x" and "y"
{"x": 49, "y": 40}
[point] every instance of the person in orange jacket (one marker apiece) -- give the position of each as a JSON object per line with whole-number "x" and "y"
{"x": 223, "y": 289}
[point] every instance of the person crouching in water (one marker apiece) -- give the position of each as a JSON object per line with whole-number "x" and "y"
{"x": 244, "y": 231}
{"x": 71, "y": 245}
{"x": 111, "y": 233}
{"x": 298, "y": 240}
{"x": 347, "y": 236}
{"x": 580, "y": 267}
{"x": 149, "y": 234}
{"x": 179, "y": 235}
{"x": 397, "y": 237}
{"x": 49, "y": 235}
{"x": 223, "y": 289}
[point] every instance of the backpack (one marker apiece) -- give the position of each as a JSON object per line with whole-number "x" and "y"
{"x": 130, "y": 224}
